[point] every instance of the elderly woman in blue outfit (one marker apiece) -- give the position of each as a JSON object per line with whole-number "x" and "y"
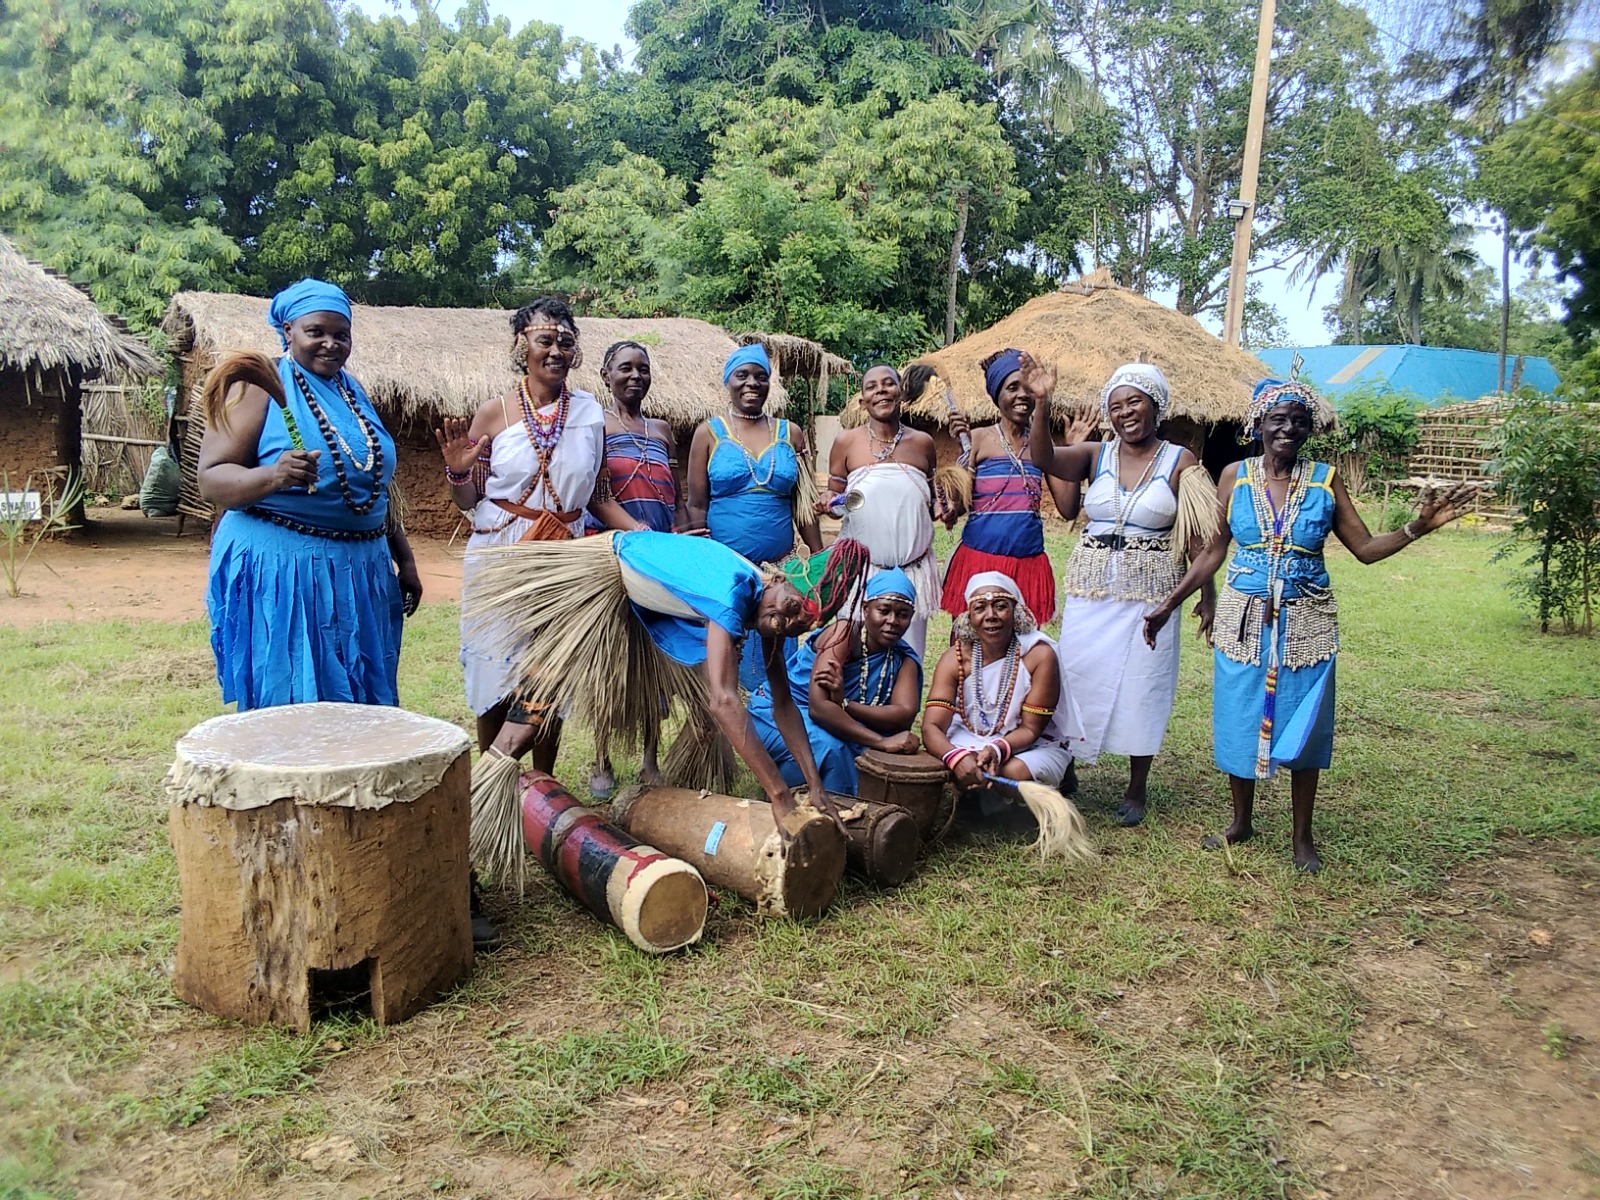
{"x": 1276, "y": 634}
{"x": 857, "y": 685}
{"x": 309, "y": 576}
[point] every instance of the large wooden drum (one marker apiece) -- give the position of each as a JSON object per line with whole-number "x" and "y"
{"x": 914, "y": 782}
{"x": 322, "y": 860}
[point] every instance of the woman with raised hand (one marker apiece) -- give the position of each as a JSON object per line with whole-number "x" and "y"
{"x": 1152, "y": 510}
{"x": 310, "y": 575}
{"x": 1276, "y": 634}
{"x": 525, "y": 467}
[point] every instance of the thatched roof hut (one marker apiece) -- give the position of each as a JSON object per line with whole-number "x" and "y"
{"x": 421, "y": 364}
{"x": 52, "y": 339}
{"x": 800, "y": 358}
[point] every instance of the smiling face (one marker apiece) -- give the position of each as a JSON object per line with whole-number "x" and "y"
{"x": 781, "y": 612}
{"x": 1133, "y": 415}
{"x": 628, "y": 376}
{"x": 320, "y": 342}
{"x": 1284, "y": 429}
{"x": 993, "y": 615}
{"x": 880, "y": 394}
{"x": 550, "y": 350}
{"x": 747, "y": 389}
{"x": 1014, "y": 401}
{"x": 886, "y": 619}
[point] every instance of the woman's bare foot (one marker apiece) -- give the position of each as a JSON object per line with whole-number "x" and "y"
{"x": 1231, "y": 836}
{"x": 601, "y": 781}
{"x": 1306, "y": 858}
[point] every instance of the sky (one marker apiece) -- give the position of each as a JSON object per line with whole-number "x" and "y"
{"x": 1300, "y": 305}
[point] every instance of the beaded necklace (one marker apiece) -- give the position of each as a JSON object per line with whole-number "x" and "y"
{"x": 752, "y": 461}
{"x": 1124, "y": 502}
{"x": 544, "y": 433}
{"x": 885, "y": 685}
{"x": 1034, "y": 487}
{"x": 986, "y": 722}
{"x": 641, "y": 443}
{"x": 890, "y": 447}
{"x": 1277, "y": 524}
{"x": 330, "y": 436}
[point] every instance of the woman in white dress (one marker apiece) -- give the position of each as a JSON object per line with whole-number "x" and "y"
{"x": 1151, "y": 508}
{"x": 525, "y": 469}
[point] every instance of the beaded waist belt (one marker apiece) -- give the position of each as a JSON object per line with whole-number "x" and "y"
{"x": 1122, "y": 541}
{"x": 333, "y": 535}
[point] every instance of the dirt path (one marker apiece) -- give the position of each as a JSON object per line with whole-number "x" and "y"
{"x": 127, "y": 565}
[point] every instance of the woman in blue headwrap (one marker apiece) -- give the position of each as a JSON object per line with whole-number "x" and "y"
{"x": 857, "y": 684}
{"x": 310, "y": 577}
{"x": 1275, "y": 634}
{"x": 1003, "y": 530}
{"x": 745, "y": 480}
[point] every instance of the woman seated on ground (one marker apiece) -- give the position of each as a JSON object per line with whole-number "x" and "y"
{"x": 997, "y": 706}
{"x": 857, "y": 684}
{"x": 1276, "y": 633}
{"x": 604, "y": 626}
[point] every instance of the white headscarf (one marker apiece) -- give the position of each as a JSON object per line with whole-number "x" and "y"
{"x": 989, "y": 581}
{"x": 1147, "y": 377}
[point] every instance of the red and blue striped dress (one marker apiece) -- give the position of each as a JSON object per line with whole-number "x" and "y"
{"x": 640, "y": 468}
{"x": 1004, "y": 533}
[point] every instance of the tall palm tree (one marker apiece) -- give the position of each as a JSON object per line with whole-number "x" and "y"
{"x": 1404, "y": 274}
{"x": 1016, "y": 41}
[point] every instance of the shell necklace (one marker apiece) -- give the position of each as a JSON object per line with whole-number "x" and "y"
{"x": 889, "y": 447}
{"x": 1124, "y": 501}
{"x": 752, "y": 461}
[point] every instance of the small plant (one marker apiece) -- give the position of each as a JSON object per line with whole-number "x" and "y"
{"x": 1376, "y": 434}
{"x": 1549, "y": 468}
{"x": 1557, "y": 1041}
{"x": 23, "y": 527}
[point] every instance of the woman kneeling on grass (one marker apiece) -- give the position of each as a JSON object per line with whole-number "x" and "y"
{"x": 1276, "y": 633}
{"x": 857, "y": 684}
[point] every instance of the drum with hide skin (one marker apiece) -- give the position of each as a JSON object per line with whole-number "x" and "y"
{"x": 659, "y": 902}
{"x": 883, "y": 840}
{"x": 322, "y": 862}
{"x": 914, "y": 782}
{"x": 735, "y": 844}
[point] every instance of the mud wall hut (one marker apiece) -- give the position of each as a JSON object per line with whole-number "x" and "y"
{"x": 1088, "y": 329}
{"x": 52, "y": 341}
{"x": 420, "y": 365}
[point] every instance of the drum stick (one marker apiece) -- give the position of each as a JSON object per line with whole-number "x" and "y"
{"x": 966, "y": 438}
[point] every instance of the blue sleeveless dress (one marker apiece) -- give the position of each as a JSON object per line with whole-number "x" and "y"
{"x": 836, "y": 758}
{"x": 698, "y": 575}
{"x": 1293, "y": 705}
{"x": 751, "y": 507}
{"x": 302, "y": 596}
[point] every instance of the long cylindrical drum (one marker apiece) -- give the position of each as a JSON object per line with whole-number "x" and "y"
{"x": 914, "y": 782}
{"x": 659, "y": 902}
{"x": 736, "y": 845}
{"x": 883, "y": 841}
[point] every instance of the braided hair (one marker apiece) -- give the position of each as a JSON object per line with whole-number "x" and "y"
{"x": 617, "y": 348}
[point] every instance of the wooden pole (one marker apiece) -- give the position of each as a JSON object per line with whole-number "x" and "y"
{"x": 1233, "y": 321}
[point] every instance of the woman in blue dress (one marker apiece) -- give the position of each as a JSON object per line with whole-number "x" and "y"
{"x": 310, "y": 579}
{"x": 744, "y": 476}
{"x": 1275, "y": 634}
{"x": 605, "y": 626}
{"x": 857, "y": 684}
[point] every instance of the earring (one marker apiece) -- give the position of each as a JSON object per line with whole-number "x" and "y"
{"x": 519, "y": 355}
{"x": 577, "y": 358}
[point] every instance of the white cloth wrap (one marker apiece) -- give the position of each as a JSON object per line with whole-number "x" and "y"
{"x": 1047, "y": 759}
{"x": 574, "y": 467}
{"x": 895, "y": 524}
{"x": 336, "y": 755}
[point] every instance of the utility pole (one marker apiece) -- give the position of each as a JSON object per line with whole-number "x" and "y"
{"x": 1243, "y": 209}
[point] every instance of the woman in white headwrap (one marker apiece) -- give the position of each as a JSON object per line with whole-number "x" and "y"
{"x": 1151, "y": 509}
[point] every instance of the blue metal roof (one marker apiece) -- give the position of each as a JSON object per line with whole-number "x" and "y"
{"x": 1434, "y": 374}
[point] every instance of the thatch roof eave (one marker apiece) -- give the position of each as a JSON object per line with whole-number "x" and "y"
{"x": 48, "y": 324}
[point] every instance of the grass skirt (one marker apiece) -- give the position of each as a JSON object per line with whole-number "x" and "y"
{"x": 297, "y": 618}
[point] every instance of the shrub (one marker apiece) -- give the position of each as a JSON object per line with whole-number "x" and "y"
{"x": 1377, "y": 433}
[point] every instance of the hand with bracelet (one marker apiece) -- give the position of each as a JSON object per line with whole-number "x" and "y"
{"x": 462, "y": 454}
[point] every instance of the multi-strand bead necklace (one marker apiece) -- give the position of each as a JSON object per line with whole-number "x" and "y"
{"x": 335, "y": 441}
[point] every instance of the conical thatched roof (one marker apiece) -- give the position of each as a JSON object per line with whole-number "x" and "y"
{"x": 1089, "y": 329}
{"x": 425, "y": 363}
{"x": 47, "y": 324}
{"x": 797, "y": 356}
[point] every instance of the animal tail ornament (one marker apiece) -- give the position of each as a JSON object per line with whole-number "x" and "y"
{"x": 238, "y": 366}
{"x": 1199, "y": 514}
{"x": 1062, "y": 831}
{"x": 496, "y": 844}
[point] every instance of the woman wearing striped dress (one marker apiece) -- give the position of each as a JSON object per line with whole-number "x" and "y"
{"x": 638, "y": 475}
{"x": 1004, "y": 531}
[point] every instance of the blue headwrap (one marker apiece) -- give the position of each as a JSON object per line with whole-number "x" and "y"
{"x": 891, "y": 582}
{"x": 999, "y": 370}
{"x": 1270, "y": 393}
{"x": 307, "y": 296}
{"x": 755, "y": 352}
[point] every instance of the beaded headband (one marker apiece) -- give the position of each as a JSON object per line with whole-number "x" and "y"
{"x": 1270, "y": 393}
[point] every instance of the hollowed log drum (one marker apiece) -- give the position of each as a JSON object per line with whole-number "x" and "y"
{"x": 322, "y": 859}
{"x": 658, "y": 901}
{"x": 735, "y": 844}
{"x": 914, "y": 782}
{"x": 883, "y": 840}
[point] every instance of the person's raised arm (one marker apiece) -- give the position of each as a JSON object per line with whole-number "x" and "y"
{"x": 228, "y": 472}
{"x": 698, "y": 481}
{"x": 1436, "y": 510}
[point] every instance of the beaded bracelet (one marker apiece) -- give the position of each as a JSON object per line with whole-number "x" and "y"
{"x": 936, "y": 702}
{"x": 1038, "y": 712}
{"x": 955, "y": 755}
{"x": 455, "y": 480}
{"x": 1406, "y": 529}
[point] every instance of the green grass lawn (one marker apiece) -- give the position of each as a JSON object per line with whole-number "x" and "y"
{"x": 993, "y": 1026}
